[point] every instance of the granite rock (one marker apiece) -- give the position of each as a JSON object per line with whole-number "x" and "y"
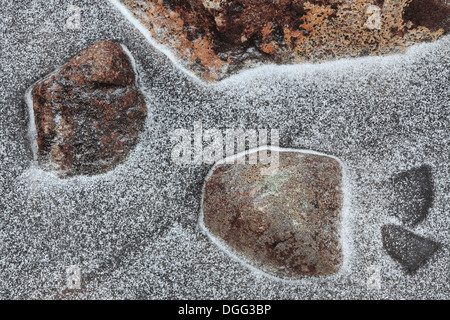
{"x": 286, "y": 223}
{"x": 217, "y": 38}
{"x": 89, "y": 115}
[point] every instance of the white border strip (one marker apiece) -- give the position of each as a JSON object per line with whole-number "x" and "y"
{"x": 346, "y": 236}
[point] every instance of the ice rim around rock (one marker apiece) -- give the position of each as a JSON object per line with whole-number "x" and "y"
{"x": 32, "y": 132}
{"x": 160, "y": 47}
{"x": 346, "y": 241}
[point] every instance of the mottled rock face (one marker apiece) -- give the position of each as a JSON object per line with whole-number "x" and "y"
{"x": 432, "y": 14}
{"x": 89, "y": 115}
{"x": 216, "y": 38}
{"x": 286, "y": 223}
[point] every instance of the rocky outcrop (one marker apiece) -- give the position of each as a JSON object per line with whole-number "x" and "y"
{"x": 216, "y": 38}
{"x": 88, "y": 116}
{"x": 286, "y": 223}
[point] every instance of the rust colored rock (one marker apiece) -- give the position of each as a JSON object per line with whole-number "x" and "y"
{"x": 217, "y": 38}
{"x": 89, "y": 115}
{"x": 286, "y": 223}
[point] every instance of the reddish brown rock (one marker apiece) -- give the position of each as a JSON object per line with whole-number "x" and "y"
{"x": 286, "y": 223}
{"x": 216, "y": 38}
{"x": 89, "y": 115}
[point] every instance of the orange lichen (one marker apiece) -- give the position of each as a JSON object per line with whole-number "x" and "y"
{"x": 204, "y": 52}
{"x": 315, "y": 16}
{"x": 347, "y": 33}
{"x": 168, "y": 27}
{"x": 269, "y": 47}
{"x": 210, "y": 36}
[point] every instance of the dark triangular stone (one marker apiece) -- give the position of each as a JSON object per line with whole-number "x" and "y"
{"x": 409, "y": 249}
{"x": 413, "y": 195}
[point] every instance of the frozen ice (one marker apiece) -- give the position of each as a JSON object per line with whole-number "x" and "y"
{"x": 134, "y": 231}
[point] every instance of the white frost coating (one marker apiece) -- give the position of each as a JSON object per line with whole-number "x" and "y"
{"x": 146, "y": 33}
{"x": 133, "y": 62}
{"x": 138, "y": 82}
{"x": 32, "y": 133}
{"x": 345, "y": 232}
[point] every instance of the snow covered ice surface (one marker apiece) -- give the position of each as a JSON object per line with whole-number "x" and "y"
{"x": 134, "y": 231}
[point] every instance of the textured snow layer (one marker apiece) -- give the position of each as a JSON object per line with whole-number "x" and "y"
{"x": 134, "y": 231}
